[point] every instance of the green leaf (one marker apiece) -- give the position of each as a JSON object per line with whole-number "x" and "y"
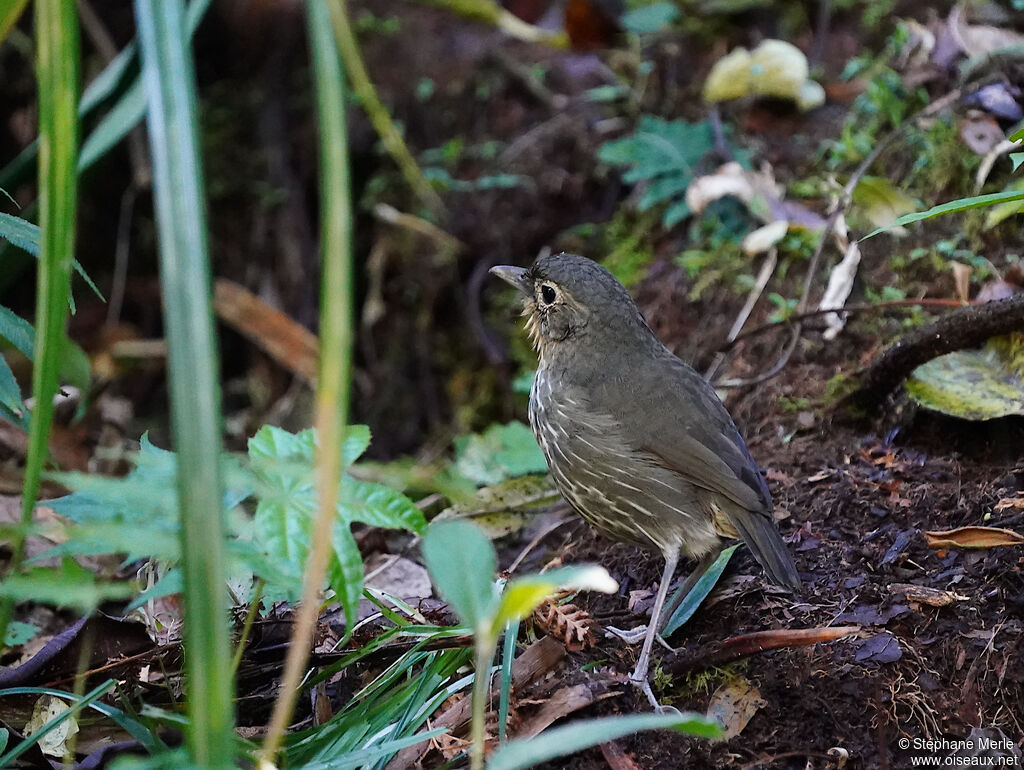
{"x": 1016, "y": 158}
{"x": 650, "y": 19}
{"x": 663, "y": 154}
{"x": 462, "y": 562}
{"x": 179, "y": 204}
{"x": 283, "y": 466}
{"x": 67, "y": 586}
{"x": 9, "y": 14}
{"x": 523, "y": 595}
{"x": 19, "y": 633}
{"x": 698, "y": 593}
{"x": 974, "y": 384}
{"x": 11, "y": 406}
{"x": 1003, "y": 211}
{"x": 26, "y": 236}
{"x": 576, "y": 736}
{"x": 500, "y": 452}
{"x": 952, "y": 207}
{"x": 880, "y": 202}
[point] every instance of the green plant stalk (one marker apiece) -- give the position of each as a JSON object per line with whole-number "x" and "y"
{"x": 335, "y": 354}
{"x": 179, "y": 199}
{"x": 250, "y": 617}
{"x": 375, "y": 110}
{"x": 57, "y": 56}
{"x": 486, "y": 645}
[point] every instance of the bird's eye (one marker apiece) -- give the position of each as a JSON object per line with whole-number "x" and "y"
{"x": 547, "y": 294}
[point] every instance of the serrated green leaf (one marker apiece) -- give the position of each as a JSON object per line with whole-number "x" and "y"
{"x": 664, "y": 154}
{"x": 345, "y": 571}
{"x": 500, "y": 452}
{"x": 19, "y": 633}
{"x": 462, "y": 562}
{"x": 974, "y": 384}
{"x": 10, "y": 395}
{"x": 66, "y": 586}
{"x": 582, "y": 734}
{"x": 650, "y": 19}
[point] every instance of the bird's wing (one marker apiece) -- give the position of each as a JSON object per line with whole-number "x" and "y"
{"x": 674, "y": 414}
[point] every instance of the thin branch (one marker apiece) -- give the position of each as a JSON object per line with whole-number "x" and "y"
{"x": 838, "y": 210}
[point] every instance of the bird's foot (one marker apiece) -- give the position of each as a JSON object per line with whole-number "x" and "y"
{"x": 629, "y": 637}
{"x": 635, "y": 635}
{"x": 644, "y": 685}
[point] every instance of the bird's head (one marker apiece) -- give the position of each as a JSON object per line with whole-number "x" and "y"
{"x": 572, "y": 301}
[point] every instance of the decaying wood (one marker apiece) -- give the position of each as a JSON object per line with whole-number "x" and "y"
{"x": 967, "y": 327}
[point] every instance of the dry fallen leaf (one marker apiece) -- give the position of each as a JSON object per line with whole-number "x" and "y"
{"x": 933, "y": 597}
{"x": 973, "y": 537}
{"x": 566, "y": 622}
{"x": 734, "y": 704}
{"x": 1011, "y": 503}
{"x": 54, "y": 743}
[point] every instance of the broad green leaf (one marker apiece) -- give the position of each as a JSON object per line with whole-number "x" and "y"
{"x": 1003, "y": 211}
{"x": 283, "y": 468}
{"x": 19, "y": 633}
{"x": 974, "y": 384}
{"x": 523, "y": 595}
{"x": 880, "y": 202}
{"x": 698, "y": 593}
{"x": 67, "y": 586}
{"x": 576, "y": 736}
{"x": 345, "y": 571}
{"x": 663, "y": 154}
{"x": 650, "y": 19}
{"x": 462, "y": 563}
{"x": 500, "y": 452}
{"x": 952, "y": 207}
{"x": 278, "y": 446}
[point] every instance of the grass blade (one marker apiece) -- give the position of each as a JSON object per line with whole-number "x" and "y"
{"x": 335, "y": 354}
{"x": 583, "y": 734}
{"x": 9, "y": 16}
{"x": 179, "y": 200}
{"x": 698, "y": 593}
{"x": 57, "y": 54}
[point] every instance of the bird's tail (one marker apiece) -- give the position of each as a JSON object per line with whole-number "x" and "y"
{"x": 764, "y": 541}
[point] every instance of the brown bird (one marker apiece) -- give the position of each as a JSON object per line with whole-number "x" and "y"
{"x": 637, "y": 441}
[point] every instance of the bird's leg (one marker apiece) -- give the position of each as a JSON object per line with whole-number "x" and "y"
{"x": 639, "y": 675}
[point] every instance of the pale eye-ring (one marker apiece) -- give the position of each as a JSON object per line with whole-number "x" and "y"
{"x": 547, "y": 293}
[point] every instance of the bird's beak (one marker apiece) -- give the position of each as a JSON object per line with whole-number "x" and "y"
{"x": 517, "y": 276}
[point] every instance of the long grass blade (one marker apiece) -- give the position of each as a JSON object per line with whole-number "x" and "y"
{"x": 57, "y": 54}
{"x": 169, "y": 82}
{"x": 335, "y": 355}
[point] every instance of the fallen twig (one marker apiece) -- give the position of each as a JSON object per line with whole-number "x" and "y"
{"x": 743, "y": 646}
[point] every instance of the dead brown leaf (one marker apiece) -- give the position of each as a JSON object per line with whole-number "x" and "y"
{"x": 734, "y": 704}
{"x": 933, "y": 597}
{"x": 287, "y": 342}
{"x": 566, "y": 622}
{"x": 973, "y": 537}
{"x": 1011, "y": 503}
